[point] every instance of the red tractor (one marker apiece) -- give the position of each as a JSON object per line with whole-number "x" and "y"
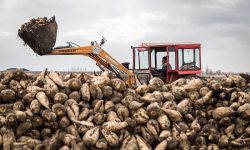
{"x": 180, "y": 60}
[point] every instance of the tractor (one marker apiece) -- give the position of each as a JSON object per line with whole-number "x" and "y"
{"x": 181, "y": 60}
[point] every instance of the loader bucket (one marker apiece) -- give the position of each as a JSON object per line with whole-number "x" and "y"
{"x": 40, "y": 34}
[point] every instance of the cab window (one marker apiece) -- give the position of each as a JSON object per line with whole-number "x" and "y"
{"x": 141, "y": 58}
{"x": 171, "y": 52}
{"x": 189, "y": 59}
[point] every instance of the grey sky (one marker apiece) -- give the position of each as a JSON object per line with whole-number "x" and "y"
{"x": 221, "y": 26}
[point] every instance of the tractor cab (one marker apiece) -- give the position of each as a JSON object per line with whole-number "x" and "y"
{"x": 167, "y": 61}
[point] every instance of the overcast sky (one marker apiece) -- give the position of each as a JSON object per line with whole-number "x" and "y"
{"x": 221, "y": 26}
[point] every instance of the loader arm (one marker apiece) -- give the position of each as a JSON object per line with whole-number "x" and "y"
{"x": 100, "y": 56}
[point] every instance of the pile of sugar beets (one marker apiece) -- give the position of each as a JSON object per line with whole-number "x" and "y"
{"x": 82, "y": 111}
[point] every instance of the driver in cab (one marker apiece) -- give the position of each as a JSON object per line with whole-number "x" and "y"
{"x": 163, "y": 71}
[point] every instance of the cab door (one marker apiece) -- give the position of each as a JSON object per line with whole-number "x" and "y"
{"x": 141, "y": 64}
{"x": 172, "y": 63}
